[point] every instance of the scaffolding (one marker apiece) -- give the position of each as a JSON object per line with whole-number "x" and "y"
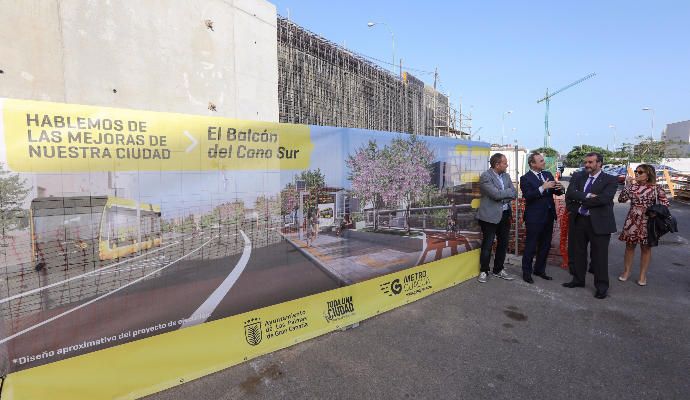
{"x": 322, "y": 83}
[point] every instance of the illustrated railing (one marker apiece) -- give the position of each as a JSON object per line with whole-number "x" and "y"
{"x": 421, "y": 218}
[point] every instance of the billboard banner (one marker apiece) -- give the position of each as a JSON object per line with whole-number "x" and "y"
{"x": 123, "y": 225}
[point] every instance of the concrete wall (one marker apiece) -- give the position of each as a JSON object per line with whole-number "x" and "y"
{"x": 151, "y": 55}
{"x": 681, "y": 164}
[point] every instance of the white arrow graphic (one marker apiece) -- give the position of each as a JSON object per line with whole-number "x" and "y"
{"x": 193, "y": 139}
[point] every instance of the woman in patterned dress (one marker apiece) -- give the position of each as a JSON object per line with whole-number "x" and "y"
{"x": 642, "y": 191}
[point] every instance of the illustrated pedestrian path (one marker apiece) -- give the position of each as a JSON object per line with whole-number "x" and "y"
{"x": 358, "y": 255}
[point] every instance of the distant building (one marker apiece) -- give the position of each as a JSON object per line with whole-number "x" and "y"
{"x": 440, "y": 175}
{"x": 677, "y": 138}
{"x": 322, "y": 83}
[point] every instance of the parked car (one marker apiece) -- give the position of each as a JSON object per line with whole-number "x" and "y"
{"x": 664, "y": 167}
{"x": 618, "y": 172}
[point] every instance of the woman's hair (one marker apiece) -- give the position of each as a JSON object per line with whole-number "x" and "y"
{"x": 649, "y": 170}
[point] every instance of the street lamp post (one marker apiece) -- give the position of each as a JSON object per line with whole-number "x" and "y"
{"x": 517, "y": 180}
{"x": 652, "y": 110}
{"x": 578, "y": 136}
{"x": 614, "y": 135}
{"x": 372, "y": 24}
{"x": 503, "y": 124}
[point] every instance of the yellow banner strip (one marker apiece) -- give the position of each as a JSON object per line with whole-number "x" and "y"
{"x": 41, "y": 136}
{"x": 157, "y": 363}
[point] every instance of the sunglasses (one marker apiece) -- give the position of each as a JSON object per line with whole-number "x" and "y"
{"x": 639, "y": 172}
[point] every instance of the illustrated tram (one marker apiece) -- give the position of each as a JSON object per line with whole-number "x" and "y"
{"x": 80, "y": 231}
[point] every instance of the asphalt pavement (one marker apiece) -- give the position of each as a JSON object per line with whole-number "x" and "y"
{"x": 274, "y": 274}
{"x": 500, "y": 340}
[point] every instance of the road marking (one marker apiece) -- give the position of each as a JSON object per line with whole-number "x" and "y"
{"x": 31, "y": 328}
{"x": 205, "y": 310}
{"x": 39, "y": 289}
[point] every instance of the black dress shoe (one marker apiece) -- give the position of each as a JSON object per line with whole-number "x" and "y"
{"x": 573, "y": 284}
{"x": 544, "y": 276}
{"x": 600, "y": 295}
{"x": 527, "y": 278}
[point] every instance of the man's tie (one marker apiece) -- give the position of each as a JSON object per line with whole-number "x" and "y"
{"x": 541, "y": 179}
{"x": 583, "y": 210}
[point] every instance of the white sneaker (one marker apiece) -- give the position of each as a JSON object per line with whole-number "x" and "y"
{"x": 504, "y": 275}
{"x": 482, "y": 277}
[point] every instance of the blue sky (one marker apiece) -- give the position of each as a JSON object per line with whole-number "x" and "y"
{"x": 502, "y": 55}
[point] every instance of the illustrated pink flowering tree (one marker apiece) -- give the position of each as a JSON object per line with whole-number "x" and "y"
{"x": 394, "y": 175}
{"x": 409, "y": 161}
{"x": 368, "y": 176}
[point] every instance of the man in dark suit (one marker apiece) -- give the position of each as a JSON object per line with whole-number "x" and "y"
{"x": 594, "y": 223}
{"x": 538, "y": 188}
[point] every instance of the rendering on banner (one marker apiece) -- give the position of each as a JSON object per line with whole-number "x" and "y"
{"x": 117, "y": 225}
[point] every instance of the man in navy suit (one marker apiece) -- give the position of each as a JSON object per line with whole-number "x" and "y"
{"x": 538, "y": 188}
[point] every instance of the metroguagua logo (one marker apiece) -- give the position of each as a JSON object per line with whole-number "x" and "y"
{"x": 414, "y": 283}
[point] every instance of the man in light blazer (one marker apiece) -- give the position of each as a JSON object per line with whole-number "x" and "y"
{"x": 538, "y": 188}
{"x": 494, "y": 213}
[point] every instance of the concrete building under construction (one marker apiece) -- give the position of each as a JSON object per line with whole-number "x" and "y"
{"x": 321, "y": 83}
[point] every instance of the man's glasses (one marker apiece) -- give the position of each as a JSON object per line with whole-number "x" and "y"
{"x": 639, "y": 172}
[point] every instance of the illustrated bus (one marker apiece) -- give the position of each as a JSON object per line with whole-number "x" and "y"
{"x": 80, "y": 231}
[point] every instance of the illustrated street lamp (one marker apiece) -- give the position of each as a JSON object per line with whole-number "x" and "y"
{"x": 578, "y": 136}
{"x": 614, "y": 135}
{"x": 652, "y": 110}
{"x": 503, "y": 124}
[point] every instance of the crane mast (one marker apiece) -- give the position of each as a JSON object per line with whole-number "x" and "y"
{"x": 547, "y": 99}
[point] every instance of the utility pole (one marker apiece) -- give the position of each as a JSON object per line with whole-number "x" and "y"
{"x": 517, "y": 198}
{"x": 459, "y": 118}
{"x": 433, "y": 111}
{"x": 448, "y": 116}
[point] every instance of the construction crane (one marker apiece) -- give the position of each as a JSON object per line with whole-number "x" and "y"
{"x": 546, "y": 99}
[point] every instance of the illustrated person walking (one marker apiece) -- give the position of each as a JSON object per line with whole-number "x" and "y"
{"x": 642, "y": 191}
{"x": 494, "y": 214}
{"x": 538, "y": 188}
{"x": 452, "y": 223}
{"x": 594, "y": 223}
{"x": 311, "y": 226}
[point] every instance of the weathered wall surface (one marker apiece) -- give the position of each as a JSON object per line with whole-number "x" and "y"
{"x": 152, "y": 55}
